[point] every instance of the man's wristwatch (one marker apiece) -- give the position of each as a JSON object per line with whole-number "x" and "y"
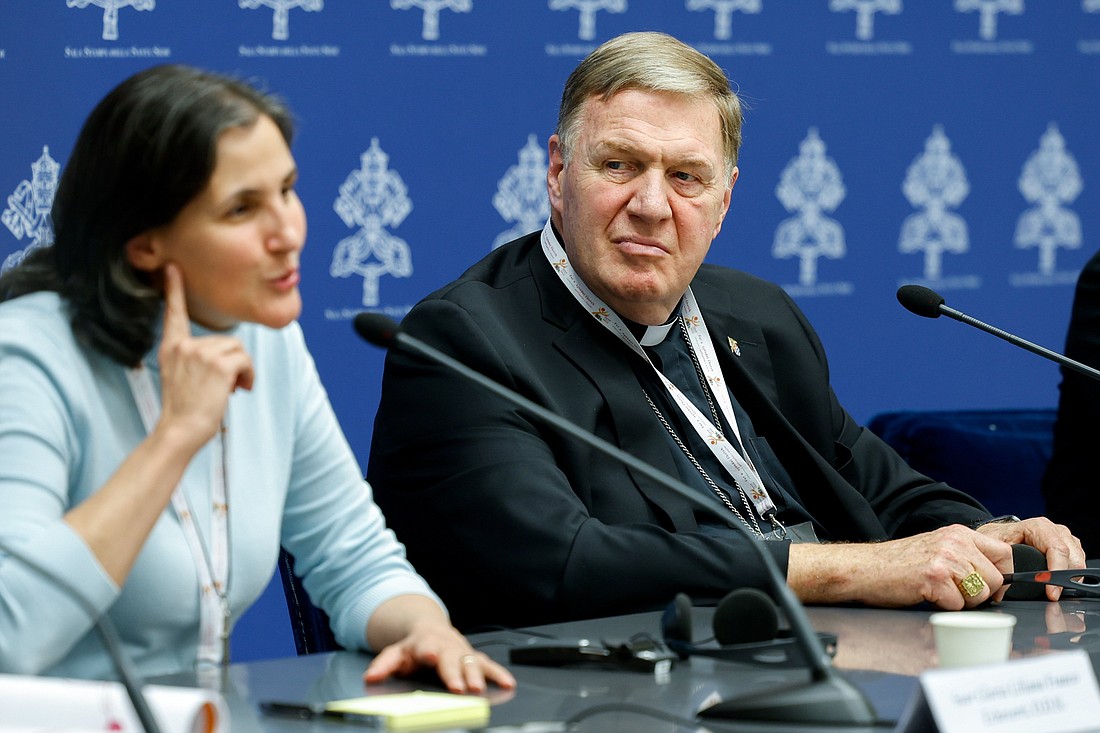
{"x": 1003, "y": 519}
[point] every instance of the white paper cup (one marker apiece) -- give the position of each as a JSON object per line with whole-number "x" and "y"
{"x": 968, "y": 638}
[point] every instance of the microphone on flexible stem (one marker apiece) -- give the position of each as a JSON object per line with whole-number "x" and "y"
{"x": 108, "y": 634}
{"x": 930, "y": 304}
{"x": 828, "y": 698}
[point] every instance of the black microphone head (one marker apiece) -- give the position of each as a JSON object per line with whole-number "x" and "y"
{"x": 1026, "y": 559}
{"x": 378, "y": 329}
{"x": 745, "y": 615}
{"x": 920, "y": 300}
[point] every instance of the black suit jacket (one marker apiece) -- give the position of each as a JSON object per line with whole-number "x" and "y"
{"x": 513, "y": 524}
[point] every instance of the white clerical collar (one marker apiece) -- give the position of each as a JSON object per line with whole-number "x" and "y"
{"x": 656, "y": 334}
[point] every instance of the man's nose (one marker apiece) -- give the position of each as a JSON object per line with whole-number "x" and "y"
{"x": 650, "y": 199}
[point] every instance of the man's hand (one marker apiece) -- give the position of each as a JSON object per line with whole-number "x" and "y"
{"x": 1061, "y": 548}
{"x": 926, "y": 567}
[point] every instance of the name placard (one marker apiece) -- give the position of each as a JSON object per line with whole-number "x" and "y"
{"x": 1053, "y": 693}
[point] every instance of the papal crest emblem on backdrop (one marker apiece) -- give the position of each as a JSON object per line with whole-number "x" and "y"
{"x": 27, "y": 215}
{"x": 280, "y": 30}
{"x": 374, "y": 199}
{"x": 110, "y": 12}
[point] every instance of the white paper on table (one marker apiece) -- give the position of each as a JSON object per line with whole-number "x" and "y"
{"x": 30, "y": 704}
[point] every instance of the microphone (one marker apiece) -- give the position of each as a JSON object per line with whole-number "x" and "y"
{"x": 930, "y": 304}
{"x": 827, "y": 698}
{"x": 108, "y": 634}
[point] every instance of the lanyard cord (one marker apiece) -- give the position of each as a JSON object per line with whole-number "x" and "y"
{"x": 211, "y": 563}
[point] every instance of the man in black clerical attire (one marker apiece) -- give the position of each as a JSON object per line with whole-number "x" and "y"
{"x": 609, "y": 317}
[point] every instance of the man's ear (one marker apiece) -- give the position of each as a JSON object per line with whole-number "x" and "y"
{"x": 726, "y": 197}
{"x": 553, "y": 172}
{"x": 143, "y": 253}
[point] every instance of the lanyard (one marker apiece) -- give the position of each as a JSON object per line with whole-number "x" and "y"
{"x": 213, "y": 566}
{"x": 742, "y": 471}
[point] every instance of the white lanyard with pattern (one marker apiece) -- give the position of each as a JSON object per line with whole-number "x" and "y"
{"x": 742, "y": 471}
{"x": 213, "y": 566}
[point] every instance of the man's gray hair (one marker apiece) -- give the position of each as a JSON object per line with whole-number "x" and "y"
{"x": 651, "y": 62}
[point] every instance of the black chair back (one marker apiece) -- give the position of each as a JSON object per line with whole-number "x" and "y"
{"x": 312, "y": 633}
{"x": 996, "y": 456}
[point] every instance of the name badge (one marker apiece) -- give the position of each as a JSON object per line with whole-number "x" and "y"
{"x": 1053, "y": 693}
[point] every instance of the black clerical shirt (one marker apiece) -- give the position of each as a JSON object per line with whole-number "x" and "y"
{"x": 674, "y": 360}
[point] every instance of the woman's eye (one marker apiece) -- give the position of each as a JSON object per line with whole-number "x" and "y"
{"x": 238, "y": 210}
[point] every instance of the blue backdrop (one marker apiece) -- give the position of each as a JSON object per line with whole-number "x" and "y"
{"x": 950, "y": 143}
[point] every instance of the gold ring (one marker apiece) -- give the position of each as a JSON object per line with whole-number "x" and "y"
{"x": 468, "y": 659}
{"x": 972, "y": 585}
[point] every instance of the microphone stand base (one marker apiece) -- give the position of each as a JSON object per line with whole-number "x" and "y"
{"x": 832, "y": 700}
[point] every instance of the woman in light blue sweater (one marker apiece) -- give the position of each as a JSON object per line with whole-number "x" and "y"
{"x": 162, "y": 426}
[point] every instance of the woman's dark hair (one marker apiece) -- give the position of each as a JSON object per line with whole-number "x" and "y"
{"x": 146, "y": 150}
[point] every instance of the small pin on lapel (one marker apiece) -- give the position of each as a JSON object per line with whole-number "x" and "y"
{"x": 734, "y": 346}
